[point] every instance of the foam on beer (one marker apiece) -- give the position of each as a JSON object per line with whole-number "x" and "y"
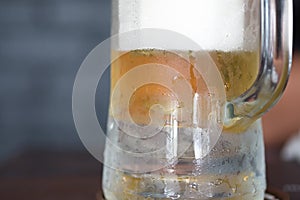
{"x": 213, "y": 24}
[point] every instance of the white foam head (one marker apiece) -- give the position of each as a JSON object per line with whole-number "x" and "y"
{"x": 213, "y": 24}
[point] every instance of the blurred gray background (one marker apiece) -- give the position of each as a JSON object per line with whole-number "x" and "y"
{"x": 42, "y": 44}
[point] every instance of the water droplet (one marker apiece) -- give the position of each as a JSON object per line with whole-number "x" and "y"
{"x": 218, "y": 181}
{"x": 174, "y": 196}
{"x": 194, "y": 186}
{"x": 234, "y": 189}
{"x": 246, "y": 178}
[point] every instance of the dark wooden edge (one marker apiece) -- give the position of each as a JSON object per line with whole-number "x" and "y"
{"x": 278, "y": 193}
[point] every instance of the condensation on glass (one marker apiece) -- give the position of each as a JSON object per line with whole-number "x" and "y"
{"x": 248, "y": 42}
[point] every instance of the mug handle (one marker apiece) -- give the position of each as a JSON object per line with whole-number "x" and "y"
{"x": 275, "y": 61}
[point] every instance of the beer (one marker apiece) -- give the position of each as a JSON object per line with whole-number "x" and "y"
{"x": 238, "y": 69}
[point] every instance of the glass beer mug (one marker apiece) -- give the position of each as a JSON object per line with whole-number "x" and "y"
{"x": 190, "y": 80}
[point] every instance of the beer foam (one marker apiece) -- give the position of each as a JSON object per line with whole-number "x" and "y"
{"x": 213, "y": 24}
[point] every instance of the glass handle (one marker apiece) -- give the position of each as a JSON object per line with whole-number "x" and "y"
{"x": 275, "y": 61}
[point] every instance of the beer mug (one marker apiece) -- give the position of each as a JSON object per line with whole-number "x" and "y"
{"x": 190, "y": 80}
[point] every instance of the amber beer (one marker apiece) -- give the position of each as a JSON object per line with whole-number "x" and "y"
{"x": 238, "y": 69}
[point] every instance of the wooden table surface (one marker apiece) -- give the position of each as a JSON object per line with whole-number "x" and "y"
{"x": 43, "y": 175}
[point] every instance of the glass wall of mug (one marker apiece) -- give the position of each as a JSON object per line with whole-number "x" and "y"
{"x": 189, "y": 82}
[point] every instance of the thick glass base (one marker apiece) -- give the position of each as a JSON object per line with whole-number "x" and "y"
{"x": 239, "y": 187}
{"x": 234, "y": 169}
